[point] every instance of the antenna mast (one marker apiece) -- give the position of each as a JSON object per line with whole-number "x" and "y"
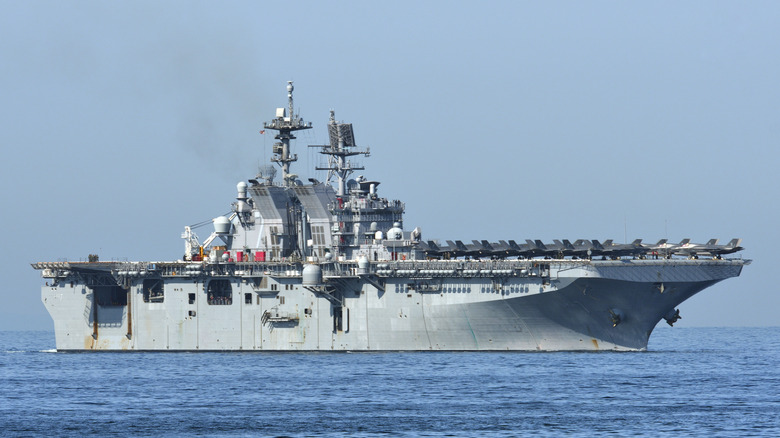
{"x": 286, "y": 122}
{"x": 342, "y": 142}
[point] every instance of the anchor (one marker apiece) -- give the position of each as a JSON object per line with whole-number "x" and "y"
{"x": 616, "y": 316}
{"x": 672, "y": 316}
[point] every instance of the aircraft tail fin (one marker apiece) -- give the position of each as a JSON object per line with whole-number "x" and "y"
{"x": 733, "y": 243}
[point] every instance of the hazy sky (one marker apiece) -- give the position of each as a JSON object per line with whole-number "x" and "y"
{"x": 123, "y": 122}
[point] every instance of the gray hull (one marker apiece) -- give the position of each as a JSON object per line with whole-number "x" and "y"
{"x": 573, "y": 307}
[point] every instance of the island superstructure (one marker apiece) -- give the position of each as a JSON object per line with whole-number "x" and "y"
{"x": 330, "y": 266}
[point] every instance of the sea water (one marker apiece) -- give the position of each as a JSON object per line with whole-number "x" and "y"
{"x": 691, "y": 382}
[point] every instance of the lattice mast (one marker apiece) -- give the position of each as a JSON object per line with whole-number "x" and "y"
{"x": 342, "y": 144}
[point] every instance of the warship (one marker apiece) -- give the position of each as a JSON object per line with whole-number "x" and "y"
{"x": 329, "y": 266}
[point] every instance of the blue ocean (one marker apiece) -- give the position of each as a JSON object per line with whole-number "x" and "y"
{"x": 721, "y": 382}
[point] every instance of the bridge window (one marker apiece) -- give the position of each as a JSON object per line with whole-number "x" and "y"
{"x": 220, "y": 292}
{"x": 248, "y": 298}
{"x": 153, "y": 291}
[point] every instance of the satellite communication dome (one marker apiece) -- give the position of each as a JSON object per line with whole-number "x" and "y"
{"x": 221, "y": 225}
{"x": 395, "y": 233}
{"x": 312, "y": 275}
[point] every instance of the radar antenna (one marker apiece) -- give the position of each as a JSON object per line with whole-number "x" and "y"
{"x": 267, "y": 174}
{"x": 286, "y": 122}
{"x": 342, "y": 142}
